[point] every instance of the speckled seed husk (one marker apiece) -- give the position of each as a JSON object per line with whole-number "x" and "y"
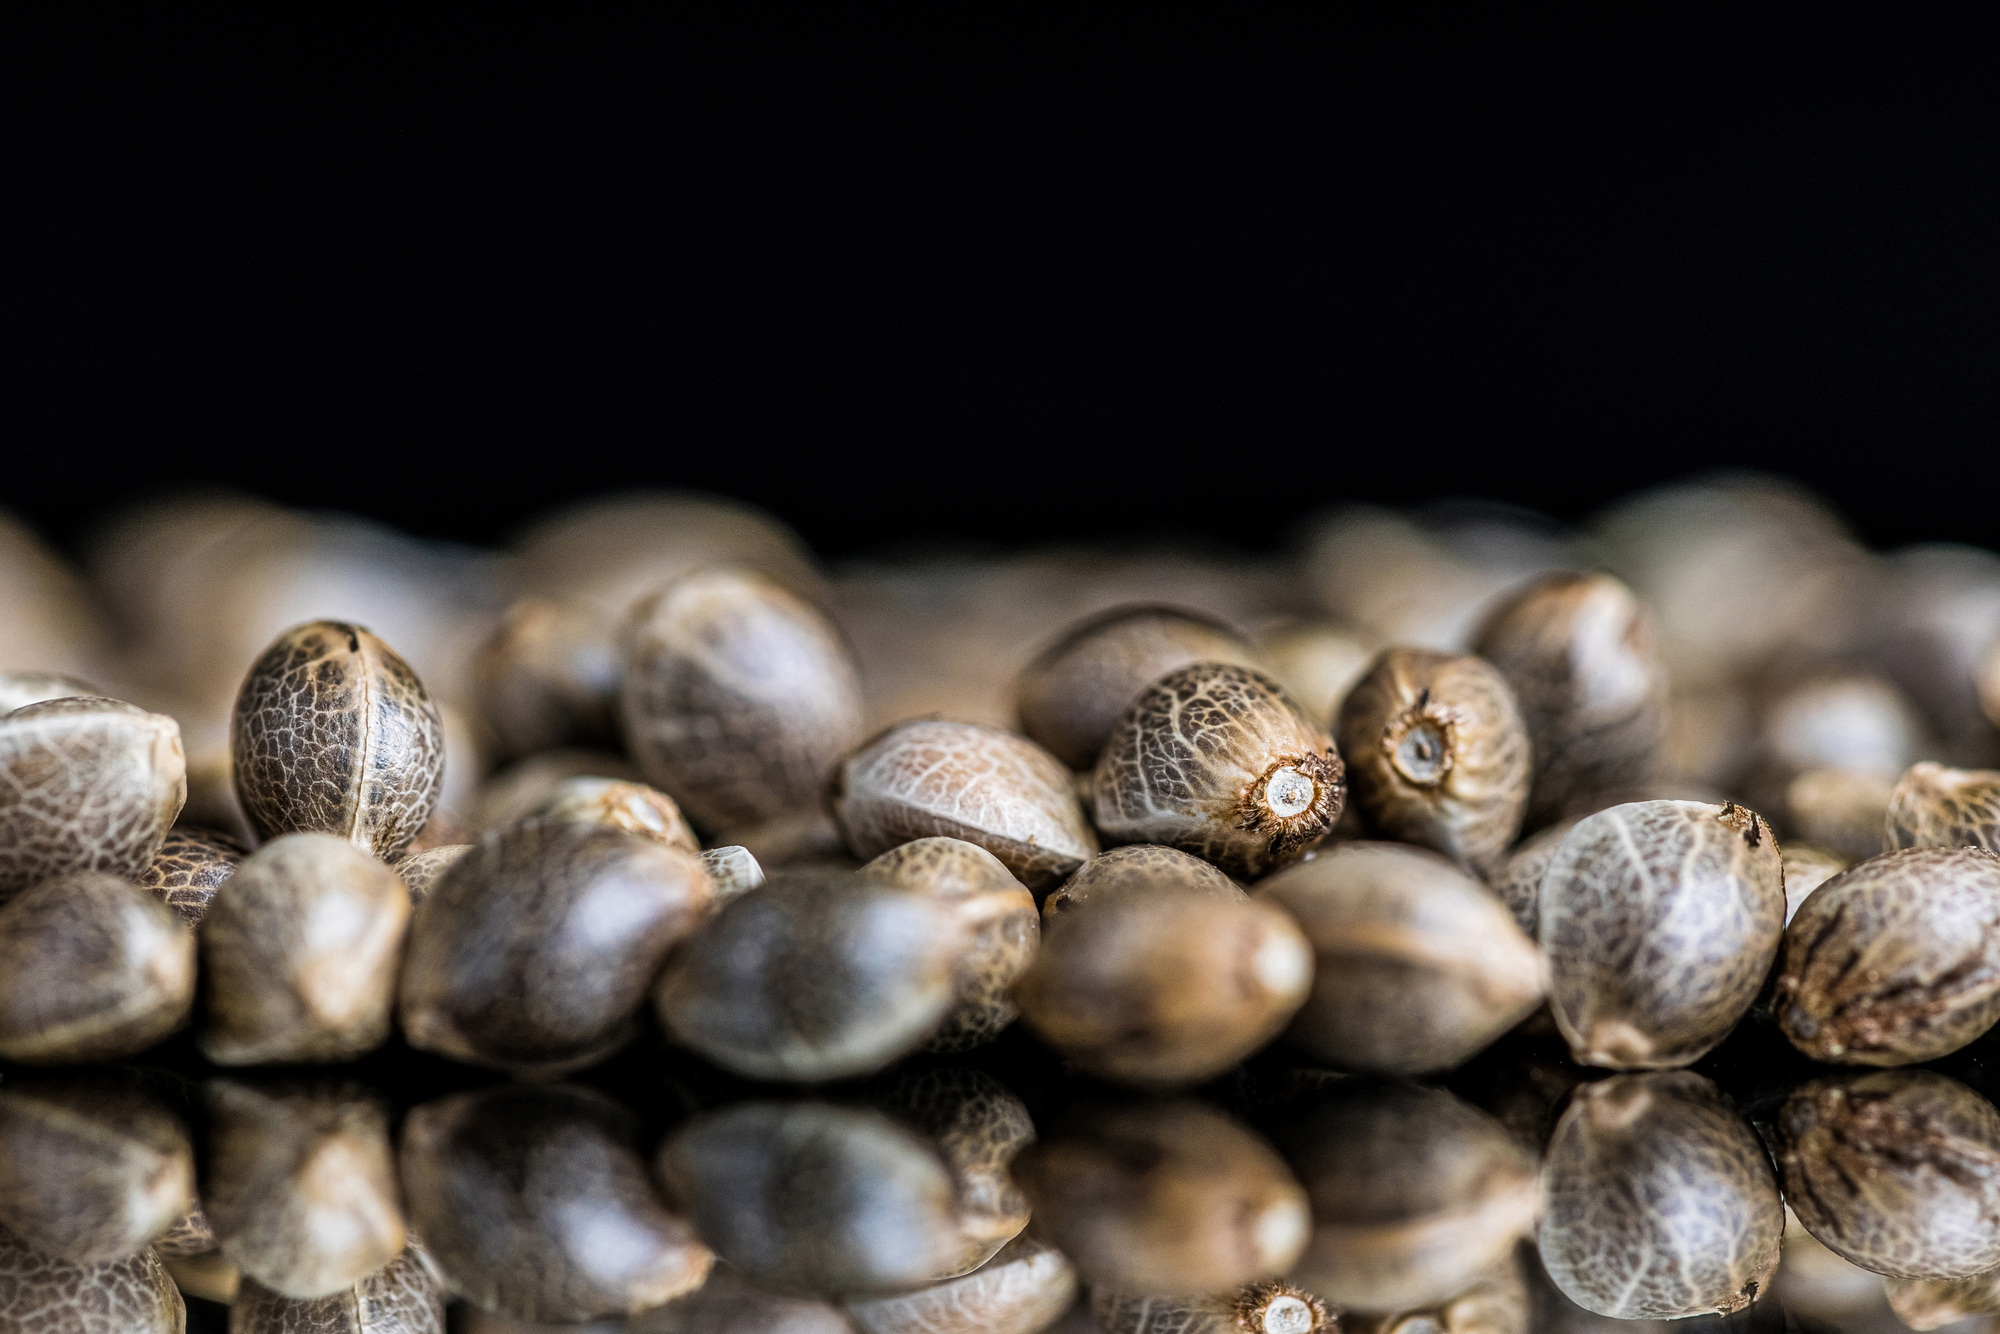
{"x": 1806, "y": 869}
{"x": 85, "y": 785}
{"x": 1167, "y": 1197}
{"x": 1021, "y": 1290}
{"x": 1578, "y": 651}
{"x": 130, "y": 1296}
{"x": 189, "y": 867}
{"x": 1661, "y": 1201}
{"x": 1897, "y": 1171}
{"x": 1896, "y": 960}
{"x": 809, "y": 1197}
{"x": 1660, "y": 919}
{"x": 91, "y": 969}
{"x": 1416, "y": 966}
{"x": 632, "y": 807}
{"x": 402, "y": 1297}
{"x": 1938, "y": 807}
{"x": 1437, "y": 754}
{"x": 731, "y": 871}
{"x": 188, "y": 1235}
{"x": 517, "y": 1193}
{"x": 420, "y": 870}
{"x": 299, "y": 1186}
{"x": 960, "y": 780}
{"x": 92, "y": 1168}
{"x": 334, "y": 734}
{"x": 1414, "y": 1194}
{"x": 1498, "y": 1303}
{"x": 1000, "y": 920}
{"x": 533, "y": 951}
{"x": 1071, "y": 695}
{"x": 1145, "y": 868}
{"x": 1165, "y": 988}
{"x": 1933, "y": 1303}
{"x": 817, "y": 975}
{"x": 1517, "y": 877}
{"x": 1219, "y": 761}
{"x": 19, "y": 689}
{"x": 548, "y": 676}
{"x": 739, "y": 697}
{"x": 1260, "y": 1308}
{"x": 299, "y": 953}
{"x": 979, "y": 1127}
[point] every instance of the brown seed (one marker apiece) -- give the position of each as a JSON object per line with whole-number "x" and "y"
{"x": 188, "y": 1235}
{"x": 1578, "y": 651}
{"x": 1316, "y": 661}
{"x": 1661, "y": 1201}
{"x": 1936, "y": 807}
{"x": 1896, "y": 960}
{"x": 1219, "y": 761}
{"x": 128, "y": 1296}
{"x": 1806, "y": 869}
{"x": 1414, "y": 1194}
{"x": 739, "y": 697}
{"x": 1933, "y": 1303}
{"x": 1260, "y": 1308}
{"x": 419, "y": 870}
{"x": 817, "y": 975}
{"x": 1000, "y": 791}
{"x": 1498, "y": 1303}
{"x": 299, "y": 954}
{"x": 1660, "y": 919}
{"x": 1072, "y": 694}
{"x": 189, "y": 867}
{"x": 1144, "y": 868}
{"x": 535, "y": 1203}
{"x": 731, "y": 871}
{"x": 19, "y": 689}
{"x": 510, "y": 795}
{"x": 1167, "y": 1197}
{"x": 85, "y": 785}
{"x": 334, "y": 734}
{"x": 91, "y": 969}
{"x": 725, "y": 1304}
{"x": 1517, "y": 877}
{"x": 1416, "y": 966}
{"x": 210, "y": 1275}
{"x": 402, "y": 1297}
{"x": 92, "y": 1167}
{"x": 1167, "y": 987}
{"x": 632, "y": 807}
{"x": 299, "y": 1185}
{"x": 1438, "y": 754}
{"x": 548, "y": 676}
{"x": 533, "y": 952}
{"x": 1022, "y": 1290}
{"x": 1897, "y": 1171}
{"x": 999, "y": 917}
{"x": 1843, "y": 810}
{"x": 979, "y": 1128}
{"x": 808, "y": 1197}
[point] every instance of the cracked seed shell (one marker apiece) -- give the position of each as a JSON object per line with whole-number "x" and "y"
{"x": 1217, "y": 760}
{"x": 1896, "y": 960}
{"x": 1897, "y": 1171}
{"x": 402, "y": 1297}
{"x": 85, "y": 785}
{"x": 334, "y": 734}
{"x": 1438, "y": 754}
{"x": 1933, "y": 806}
{"x": 1416, "y": 966}
{"x": 1661, "y": 1201}
{"x": 1660, "y": 920}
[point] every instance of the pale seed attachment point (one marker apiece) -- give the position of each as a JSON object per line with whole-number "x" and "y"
{"x": 1279, "y": 1308}
{"x": 1421, "y": 742}
{"x": 1293, "y": 802}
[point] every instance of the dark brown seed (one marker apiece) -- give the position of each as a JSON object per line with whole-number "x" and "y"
{"x": 91, "y": 969}
{"x": 420, "y": 870}
{"x": 1414, "y": 1194}
{"x": 817, "y": 975}
{"x": 1661, "y": 1201}
{"x": 299, "y": 954}
{"x": 1578, "y": 651}
{"x": 189, "y": 867}
{"x": 334, "y": 734}
{"x": 1416, "y": 966}
{"x": 533, "y": 952}
{"x": 1167, "y": 1197}
{"x": 1022, "y": 1290}
{"x": 129, "y": 1296}
{"x": 1260, "y": 1308}
{"x": 1438, "y": 754}
{"x": 739, "y": 697}
{"x": 1896, "y": 960}
{"x": 1142, "y": 868}
{"x": 1217, "y": 760}
{"x": 931, "y": 777}
{"x": 85, "y": 785}
{"x": 404, "y": 1296}
{"x": 548, "y": 677}
{"x": 1897, "y": 1171}
{"x": 998, "y": 914}
{"x": 535, "y": 1203}
{"x": 1933, "y": 1303}
{"x": 978, "y": 1127}
{"x": 1661, "y": 920}
{"x": 299, "y": 1185}
{"x": 92, "y": 1168}
{"x": 1071, "y": 695}
{"x": 1937, "y": 807}
{"x": 1167, "y": 987}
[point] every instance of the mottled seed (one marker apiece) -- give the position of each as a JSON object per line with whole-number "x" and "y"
{"x": 128, "y": 1296}
{"x": 1517, "y": 877}
{"x": 1933, "y": 1303}
{"x": 615, "y": 804}
{"x": 189, "y": 867}
{"x": 420, "y": 870}
{"x": 404, "y": 1296}
{"x": 1806, "y": 869}
{"x": 1937, "y": 807}
{"x": 1021, "y": 1290}
{"x": 1142, "y": 868}
{"x": 92, "y": 1167}
{"x": 731, "y": 871}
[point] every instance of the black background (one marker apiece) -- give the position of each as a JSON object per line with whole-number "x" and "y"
{"x": 1081, "y": 280}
